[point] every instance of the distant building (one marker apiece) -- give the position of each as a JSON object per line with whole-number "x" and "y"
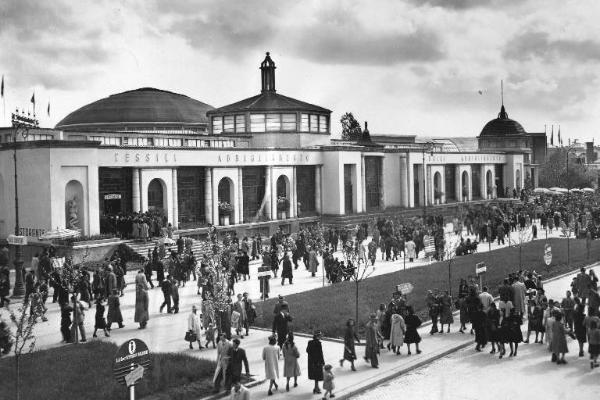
{"x": 270, "y": 157}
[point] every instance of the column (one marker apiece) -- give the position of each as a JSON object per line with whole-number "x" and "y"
{"x": 268, "y": 195}
{"x": 363, "y": 189}
{"x": 175, "y": 221}
{"x": 135, "y": 191}
{"x": 403, "y": 182}
{"x": 318, "y": 189}
{"x": 482, "y": 181}
{"x": 294, "y": 195}
{"x": 208, "y": 196}
{"x": 215, "y": 200}
{"x": 458, "y": 184}
{"x": 410, "y": 184}
{"x": 470, "y": 184}
{"x": 274, "y": 177}
{"x": 240, "y": 198}
{"x": 381, "y": 185}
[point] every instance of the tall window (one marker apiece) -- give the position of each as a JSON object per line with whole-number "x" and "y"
{"x": 273, "y": 122}
{"x": 217, "y": 125}
{"x": 314, "y": 123}
{"x": 228, "y": 124}
{"x": 288, "y": 122}
{"x": 322, "y": 124}
{"x": 257, "y": 122}
{"x": 304, "y": 123}
{"x": 240, "y": 123}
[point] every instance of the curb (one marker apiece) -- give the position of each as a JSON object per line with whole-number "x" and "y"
{"x": 396, "y": 374}
{"x": 222, "y": 394}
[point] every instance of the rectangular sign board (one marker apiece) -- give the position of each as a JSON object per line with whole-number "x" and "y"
{"x": 17, "y": 240}
{"x": 480, "y": 268}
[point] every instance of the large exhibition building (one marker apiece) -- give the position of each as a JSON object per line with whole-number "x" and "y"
{"x": 263, "y": 162}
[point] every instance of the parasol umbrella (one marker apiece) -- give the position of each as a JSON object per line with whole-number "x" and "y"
{"x": 166, "y": 241}
{"x": 588, "y": 190}
{"x": 59, "y": 233}
{"x": 541, "y": 190}
{"x": 575, "y": 190}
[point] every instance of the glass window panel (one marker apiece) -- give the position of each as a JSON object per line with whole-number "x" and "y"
{"x": 228, "y": 124}
{"x": 257, "y": 122}
{"x": 240, "y": 123}
{"x": 288, "y": 122}
{"x": 322, "y": 124}
{"x": 217, "y": 125}
{"x": 304, "y": 124}
{"x": 273, "y": 122}
{"x": 314, "y": 123}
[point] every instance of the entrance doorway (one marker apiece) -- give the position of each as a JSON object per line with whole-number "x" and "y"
{"x": 348, "y": 189}
{"x": 155, "y": 195}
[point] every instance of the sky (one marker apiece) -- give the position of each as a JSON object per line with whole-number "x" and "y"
{"x": 425, "y": 67}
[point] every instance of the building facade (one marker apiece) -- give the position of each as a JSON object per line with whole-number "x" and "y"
{"x": 263, "y": 162}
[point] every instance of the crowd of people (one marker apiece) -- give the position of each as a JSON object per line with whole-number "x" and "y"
{"x": 221, "y": 317}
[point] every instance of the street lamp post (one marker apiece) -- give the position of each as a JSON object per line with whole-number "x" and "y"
{"x": 21, "y": 124}
{"x": 428, "y": 147}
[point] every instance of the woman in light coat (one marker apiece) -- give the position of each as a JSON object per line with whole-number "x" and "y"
{"x": 313, "y": 262}
{"x": 291, "y": 367}
{"x": 270, "y": 356}
{"x": 411, "y": 250}
{"x": 194, "y": 326}
{"x": 397, "y": 332}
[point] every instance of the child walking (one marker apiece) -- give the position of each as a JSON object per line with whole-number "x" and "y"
{"x": 328, "y": 384}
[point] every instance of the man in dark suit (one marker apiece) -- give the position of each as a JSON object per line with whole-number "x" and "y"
{"x": 280, "y": 326}
{"x": 237, "y": 356}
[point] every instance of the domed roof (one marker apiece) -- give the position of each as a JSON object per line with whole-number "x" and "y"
{"x": 502, "y": 126}
{"x": 145, "y": 107}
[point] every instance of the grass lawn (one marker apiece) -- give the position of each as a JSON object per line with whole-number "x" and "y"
{"x": 328, "y": 308}
{"x": 85, "y": 371}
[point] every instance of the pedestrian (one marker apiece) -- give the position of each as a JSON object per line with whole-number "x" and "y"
{"x": 594, "y": 346}
{"x": 315, "y": 361}
{"x": 141, "y": 304}
{"x": 373, "y": 338}
{"x": 291, "y": 367}
{"x": 446, "y": 316}
{"x": 65, "y": 322}
{"x": 579, "y": 326}
{"x": 281, "y": 326}
{"x": 223, "y": 356}
{"x": 313, "y": 262}
{"x": 240, "y": 307}
{"x": 534, "y": 322}
{"x": 175, "y": 295}
{"x": 194, "y": 328}
{"x": 411, "y": 336}
{"x": 559, "y": 341}
{"x": 328, "y": 384}
{"x": 114, "y": 311}
{"x": 270, "y": 356}
{"x": 411, "y": 250}
{"x": 398, "y": 328}
{"x": 350, "y": 336}
{"x": 100, "y": 322}
{"x": 433, "y": 307}
{"x": 29, "y": 284}
{"x": 237, "y": 359}
{"x": 4, "y": 290}
{"x": 287, "y": 271}
{"x": 78, "y": 319}
{"x": 209, "y": 333}
{"x": 165, "y": 286}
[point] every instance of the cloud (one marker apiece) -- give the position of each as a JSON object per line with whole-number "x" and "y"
{"x": 537, "y": 44}
{"x": 459, "y": 4}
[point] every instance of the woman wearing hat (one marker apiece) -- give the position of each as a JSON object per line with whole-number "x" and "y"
{"x": 315, "y": 361}
{"x": 194, "y": 327}
{"x": 349, "y": 350}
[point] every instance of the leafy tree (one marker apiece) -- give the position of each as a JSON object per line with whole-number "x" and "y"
{"x": 554, "y": 171}
{"x": 351, "y": 129}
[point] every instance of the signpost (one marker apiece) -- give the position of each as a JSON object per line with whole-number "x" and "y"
{"x": 480, "y": 270}
{"x": 130, "y": 361}
{"x": 429, "y": 244}
{"x": 548, "y": 254}
{"x": 405, "y": 288}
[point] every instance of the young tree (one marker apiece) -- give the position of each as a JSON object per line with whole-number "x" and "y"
{"x": 359, "y": 270}
{"x": 24, "y": 318}
{"x": 351, "y": 129}
{"x": 451, "y": 243}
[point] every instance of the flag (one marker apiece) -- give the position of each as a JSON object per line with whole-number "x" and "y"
{"x": 552, "y": 136}
{"x": 2, "y": 87}
{"x": 48, "y": 109}
{"x": 33, "y": 99}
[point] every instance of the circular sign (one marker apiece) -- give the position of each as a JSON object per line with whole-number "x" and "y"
{"x": 548, "y": 254}
{"x": 130, "y": 355}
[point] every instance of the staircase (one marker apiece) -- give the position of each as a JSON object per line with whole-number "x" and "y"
{"x": 141, "y": 248}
